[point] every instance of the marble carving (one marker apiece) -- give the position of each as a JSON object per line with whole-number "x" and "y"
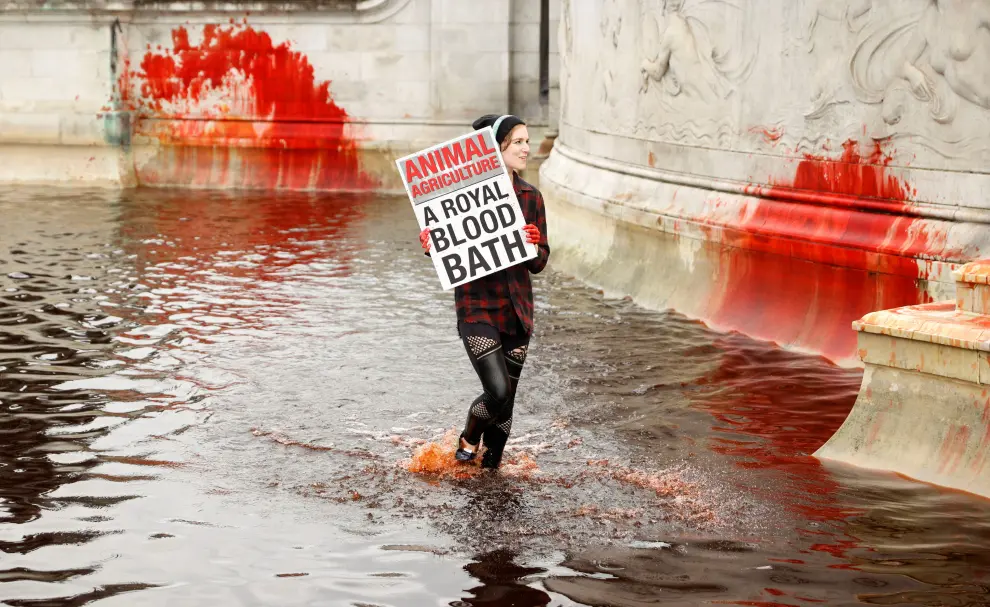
{"x": 782, "y": 77}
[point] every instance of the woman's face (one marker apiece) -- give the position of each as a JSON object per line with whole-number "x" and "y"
{"x": 515, "y": 148}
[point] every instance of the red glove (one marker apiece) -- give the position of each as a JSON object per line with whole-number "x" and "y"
{"x": 424, "y": 239}
{"x": 532, "y": 233}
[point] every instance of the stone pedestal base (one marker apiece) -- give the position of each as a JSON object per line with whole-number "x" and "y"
{"x": 924, "y": 407}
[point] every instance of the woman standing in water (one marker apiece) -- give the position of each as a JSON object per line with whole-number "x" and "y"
{"x": 495, "y": 312}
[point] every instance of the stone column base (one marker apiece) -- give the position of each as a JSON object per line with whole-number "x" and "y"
{"x": 923, "y": 410}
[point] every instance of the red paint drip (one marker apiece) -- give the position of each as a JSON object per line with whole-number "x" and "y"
{"x": 953, "y": 448}
{"x": 239, "y": 102}
{"x": 800, "y": 272}
{"x": 852, "y": 173}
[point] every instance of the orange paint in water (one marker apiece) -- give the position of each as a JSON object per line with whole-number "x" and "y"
{"x": 436, "y": 458}
{"x": 812, "y": 256}
{"x": 238, "y": 110}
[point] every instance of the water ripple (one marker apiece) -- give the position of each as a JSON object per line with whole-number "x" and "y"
{"x": 252, "y": 399}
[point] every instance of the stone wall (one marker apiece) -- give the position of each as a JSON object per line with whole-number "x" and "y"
{"x": 780, "y": 167}
{"x": 296, "y": 94}
{"x": 524, "y": 44}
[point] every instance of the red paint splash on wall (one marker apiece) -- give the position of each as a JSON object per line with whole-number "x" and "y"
{"x": 811, "y": 257}
{"x": 238, "y": 110}
{"x": 852, "y": 173}
{"x": 770, "y": 134}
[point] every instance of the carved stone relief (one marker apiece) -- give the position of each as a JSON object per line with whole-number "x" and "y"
{"x": 614, "y": 85}
{"x": 826, "y": 31}
{"x": 784, "y": 77}
{"x": 921, "y": 67}
{"x": 693, "y": 55}
{"x": 940, "y": 57}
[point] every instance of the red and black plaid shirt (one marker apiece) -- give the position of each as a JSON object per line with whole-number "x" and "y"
{"x": 501, "y": 298}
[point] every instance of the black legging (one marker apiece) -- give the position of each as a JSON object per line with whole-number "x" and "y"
{"x": 498, "y": 360}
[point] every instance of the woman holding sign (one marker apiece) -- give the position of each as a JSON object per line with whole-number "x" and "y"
{"x": 495, "y": 312}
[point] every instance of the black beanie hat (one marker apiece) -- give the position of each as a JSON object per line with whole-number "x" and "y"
{"x": 505, "y": 127}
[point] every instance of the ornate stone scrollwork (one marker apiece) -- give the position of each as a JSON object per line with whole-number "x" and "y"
{"x": 940, "y": 57}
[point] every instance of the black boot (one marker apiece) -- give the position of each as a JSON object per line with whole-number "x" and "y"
{"x": 495, "y": 437}
{"x": 477, "y": 421}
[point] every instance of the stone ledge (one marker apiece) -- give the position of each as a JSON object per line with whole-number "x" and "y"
{"x": 256, "y": 7}
{"x": 929, "y": 429}
{"x": 977, "y": 272}
{"x": 173, "y": 6}
{"x": 694, "y": 206}
{"x": 923, "y": 409}
{"x": 928, "y": 358}
{"x": 937, "y": 323}
{"x": 963, "y": 323}
{"x": 973, "y": 297}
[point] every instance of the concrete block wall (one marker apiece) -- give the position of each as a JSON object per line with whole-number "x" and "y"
{"x": 408, "y": 73}
{"x": 54, "y": 81}
{"x": 468, "y": 83}
{"x": 524, "y": 32}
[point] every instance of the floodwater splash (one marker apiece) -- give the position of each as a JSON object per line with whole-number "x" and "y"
{"x": 670, "y": 486}
{"x": 436, "y": 458}
{"x": 238, "y": 110}
{"x": 683, "y": 501}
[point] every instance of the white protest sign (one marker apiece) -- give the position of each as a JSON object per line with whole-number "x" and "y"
{"x": 462, "y": 192}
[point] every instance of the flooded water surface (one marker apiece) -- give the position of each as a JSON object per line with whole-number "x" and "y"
{"x": 211, "y": 399}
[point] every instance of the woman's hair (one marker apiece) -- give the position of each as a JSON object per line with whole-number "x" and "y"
{"x": 503, "y": 125}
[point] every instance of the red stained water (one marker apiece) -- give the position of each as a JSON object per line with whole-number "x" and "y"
{"x": 772, "y": 409}
{"x": 801, "y": 272}
{"x": 239, "y": 110}
{"x": 691, "y": 506}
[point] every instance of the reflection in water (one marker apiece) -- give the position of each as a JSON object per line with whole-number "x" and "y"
{"x": 219, "y": 399}
{"x": 55, "y": 332}
{"x": 501, "y": 582}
